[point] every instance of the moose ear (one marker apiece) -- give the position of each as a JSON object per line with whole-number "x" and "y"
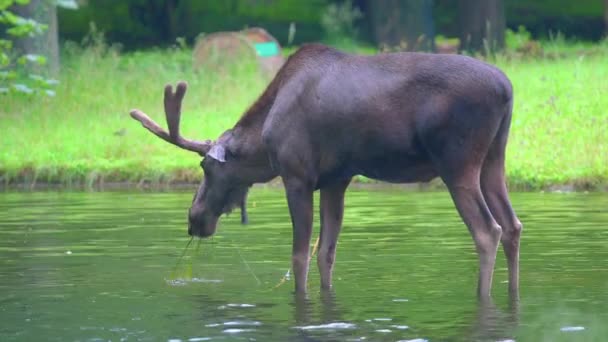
{"x": 217, "y": 152}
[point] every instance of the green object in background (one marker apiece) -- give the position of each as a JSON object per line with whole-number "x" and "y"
{"x": 267, "y": 49}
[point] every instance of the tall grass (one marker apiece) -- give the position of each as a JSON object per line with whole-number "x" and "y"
{"x": 84, "y": 134}
{"x": 559, "y": 133}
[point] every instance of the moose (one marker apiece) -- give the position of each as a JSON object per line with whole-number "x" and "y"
{"x": 398, "y": 117}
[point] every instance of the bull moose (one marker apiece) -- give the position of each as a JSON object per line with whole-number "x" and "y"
{"x": 397, "y": 117}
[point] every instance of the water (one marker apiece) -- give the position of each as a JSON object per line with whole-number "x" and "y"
{"x": 77, "y": 266}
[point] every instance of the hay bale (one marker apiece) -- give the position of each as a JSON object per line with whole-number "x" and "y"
{"x": 220, "y": 49}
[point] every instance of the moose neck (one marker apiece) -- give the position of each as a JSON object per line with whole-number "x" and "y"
{"x": 245, "y": 140}
{"x": 251, "y": 153}
{"x": 247, "y": 134}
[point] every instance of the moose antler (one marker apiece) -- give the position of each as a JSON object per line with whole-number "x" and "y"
{"x": 173, "y": 105}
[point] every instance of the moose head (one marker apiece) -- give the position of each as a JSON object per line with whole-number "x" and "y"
{"x": 224, "y": 187}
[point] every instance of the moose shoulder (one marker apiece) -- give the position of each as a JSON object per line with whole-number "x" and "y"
{"x": 398, "y": 117}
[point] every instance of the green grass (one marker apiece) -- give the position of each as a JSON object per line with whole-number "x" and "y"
{"x": 558, "y": 135}
{"x": 560, "y": 121}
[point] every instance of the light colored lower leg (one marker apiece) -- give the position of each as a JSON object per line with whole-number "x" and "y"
{"x": 486, "y": 242}
{"x": 332, "y": 211}
{"x": 325, "y": 262}
{"x": 299, "y": 200}
{"x": 510, "y": 244}
{"x": 483, "y": 228}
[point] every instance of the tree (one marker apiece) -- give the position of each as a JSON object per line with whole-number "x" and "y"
{"x": 15, "y": 66}
{"x": 606, "y": 18}
{"x": 482, "y": 25}
{"x": 45, "y": 43}
{"x": 25, "y": 42}
{"x": 395, "y": 22}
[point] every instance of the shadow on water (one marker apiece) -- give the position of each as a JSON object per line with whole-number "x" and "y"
{"x": 102, "y": 266}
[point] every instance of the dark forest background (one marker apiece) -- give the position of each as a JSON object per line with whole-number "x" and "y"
{"x": 145, "y": 23}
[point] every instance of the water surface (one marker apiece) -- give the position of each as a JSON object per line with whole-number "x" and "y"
{"x": 93, "y": 266}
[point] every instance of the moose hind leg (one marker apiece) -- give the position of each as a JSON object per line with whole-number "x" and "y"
{"x": 332, "y": 212}
{"x": 495, "y": 192}
{"x": 485, "y": 231}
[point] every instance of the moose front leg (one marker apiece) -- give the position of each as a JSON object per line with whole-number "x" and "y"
{"x": 332, "y": 212}
{"x": 299, "y": 200}
{"x": 243, "y": 205}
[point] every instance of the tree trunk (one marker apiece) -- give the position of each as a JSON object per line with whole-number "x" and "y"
{"x": 45, "y": 44}
{"x": 482, "y": 24}
{"x": 404, "y": 23}
{"x": 606, "y": 18}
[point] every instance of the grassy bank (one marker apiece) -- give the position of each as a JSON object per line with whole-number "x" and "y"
{"x": 84, "y": 134}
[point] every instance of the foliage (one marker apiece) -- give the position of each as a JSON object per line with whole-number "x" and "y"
{"x": 565, "y": 8}
{"x": 16, "y": 68}
{"x": 148, "y": 23}
{"x": 144, "y": 23}
{"x": 338, "y": 21}
{"x": 582, "y": 18}
{"x": 84, "y": 135}
{"x": 21, "y": 71}
{"x": 516, "y": 40}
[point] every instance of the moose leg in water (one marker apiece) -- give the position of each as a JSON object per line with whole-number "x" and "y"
{"x": 332, "y": 212}
{"x": 485, "y": 231}
{"x": 494, "y": 188}
{"x": 459, "y": 162}
{"x": 460, "y": 153}
{"x": 243, "y": 205}
{"x": 299, "y": 200}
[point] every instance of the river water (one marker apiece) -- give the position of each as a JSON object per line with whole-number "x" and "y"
{"x": 100, "y": 266}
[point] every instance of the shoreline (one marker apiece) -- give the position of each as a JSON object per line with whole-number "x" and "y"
{"x": 557, "y": 139}
{"x": 357, "y": 183}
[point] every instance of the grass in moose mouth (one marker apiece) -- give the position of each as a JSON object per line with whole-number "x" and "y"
{"x": 85, "y": 135}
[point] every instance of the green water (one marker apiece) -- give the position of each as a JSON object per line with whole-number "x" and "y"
{"x": 77, "y": 266}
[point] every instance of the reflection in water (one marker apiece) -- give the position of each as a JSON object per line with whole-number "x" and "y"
{"x": 493, "y": 324}
{"x": 324, "y": 320}
{"x": 101, "y": 266}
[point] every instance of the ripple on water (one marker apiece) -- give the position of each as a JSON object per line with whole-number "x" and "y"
{"x": 250, "y": 323}
{"x": 385, "y": 331}
{"x": 328, "y": 326}
{"x": 235, "y": 323}
{"x": 183, "y": 282}
{"x": 381, "y": 319}
{"x": 400, "y": 327}
{"x": 569, "y": 329}
{"x": 233, "y": 305}
{"x": 236, "y": 331}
